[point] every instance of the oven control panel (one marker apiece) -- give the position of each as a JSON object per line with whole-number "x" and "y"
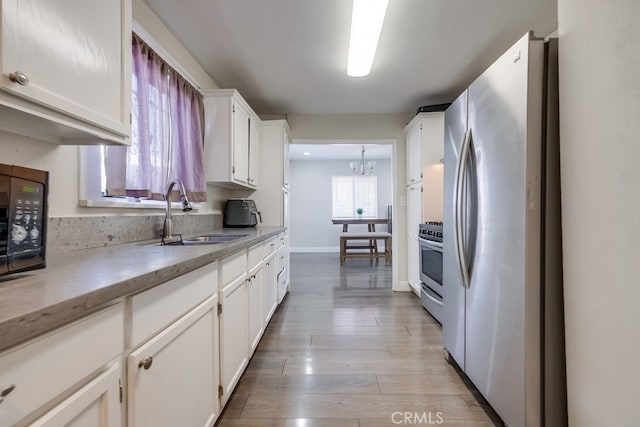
{"x": 431, "y": 230}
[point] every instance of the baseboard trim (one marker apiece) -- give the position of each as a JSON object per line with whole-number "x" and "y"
{"x": 315, "y": 249}
{"x": 403, "y": 286}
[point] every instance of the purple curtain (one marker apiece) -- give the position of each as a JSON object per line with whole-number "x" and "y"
{"x": 166, "y": 133}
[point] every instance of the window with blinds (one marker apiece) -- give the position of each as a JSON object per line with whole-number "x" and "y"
{"x": 351, "y": 193}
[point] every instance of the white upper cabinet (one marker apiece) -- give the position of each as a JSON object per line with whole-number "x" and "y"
{"x": 425, "y": 144}
{"x": 240, "y": 143}
{"x": 425, "y": 153}
{"x": 254, "y": 152}
{"x": 414, "y": 152}
{"x": 231, "y": 136}
{"x": 66, "y": 70}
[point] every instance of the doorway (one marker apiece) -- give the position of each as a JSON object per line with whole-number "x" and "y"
{"x": 320, "y": 169}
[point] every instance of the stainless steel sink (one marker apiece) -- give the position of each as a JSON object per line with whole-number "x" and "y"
{"x": 208, "y": 239}
{"x": 212, "y": 239}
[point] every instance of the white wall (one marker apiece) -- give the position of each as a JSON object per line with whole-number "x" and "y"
{"x": 311, "y": 195}
{"x": 600, "y": 158}
{"x": 62, "y": 161}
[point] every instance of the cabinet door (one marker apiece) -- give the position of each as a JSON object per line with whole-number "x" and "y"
{"x": 255, "y": 317}
{"x": 282, "y": 270}
{"x": 47, "y": 366}
{"x": 95, "y": 405}
{"x": 413, "y": 264}
{"x": 270, "y": 288}
{"x": 233, "y": 335}
{"x": 414, "y": 154}
{"x": 433, "y": 139}
{"x": 414, "y": 218}
{"x": 254, "y": 152}
{"x": 285, "y": 160}
{"x": 285, "y": 185}
{"x": 172, "y": 378}
{"x": 74, "y": 56}
{"x": 240, "y": 141}
{"x": 414, "y": 208}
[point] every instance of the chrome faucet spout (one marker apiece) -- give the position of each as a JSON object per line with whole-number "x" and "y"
{"x": 167, "y": 232}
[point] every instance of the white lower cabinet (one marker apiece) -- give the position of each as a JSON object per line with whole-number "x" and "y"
{"x": 174, "y": 353}
{"x": 171, "y": 379}
{"x": 270, "y": 301}
{"x": 413, "y": 264}
{"x": 255, "y": 292}
{"x": 36, "y": 376}
{"x": 414, "y": 218}
{"x": 233, "y": 335}
{"x": 283, "y": 267}
{"x": 97, "y": 404}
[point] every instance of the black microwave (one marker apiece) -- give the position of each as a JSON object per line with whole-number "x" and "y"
{"x": 23, "y": 218}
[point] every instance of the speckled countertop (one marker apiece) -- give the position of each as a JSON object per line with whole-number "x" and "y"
{"x": 75, "y": 284}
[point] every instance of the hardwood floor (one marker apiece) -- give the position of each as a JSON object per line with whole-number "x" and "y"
{"x": 344, "y": 350}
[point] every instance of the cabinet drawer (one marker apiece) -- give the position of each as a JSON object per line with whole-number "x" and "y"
{"x": 270, "y": 245}
{"x": 233, "y": 267}
{"x": 155, "y": 309}
{"x": 255, "y": 255}
{"x": 47, "y": 366}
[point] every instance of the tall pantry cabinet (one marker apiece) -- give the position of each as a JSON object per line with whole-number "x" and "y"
{"x": 425, "y": 142}
{"x": 272, "y": 198}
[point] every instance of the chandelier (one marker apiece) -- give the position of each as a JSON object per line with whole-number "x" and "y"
{"x": 362, "y": 168}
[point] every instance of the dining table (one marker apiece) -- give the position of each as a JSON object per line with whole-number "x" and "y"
{"x": 369, "y": 222}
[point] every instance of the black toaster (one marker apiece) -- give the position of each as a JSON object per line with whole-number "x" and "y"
{"x": 241, "y": 213}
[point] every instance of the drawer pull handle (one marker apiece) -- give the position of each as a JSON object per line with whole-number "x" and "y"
{"x": 19, "y": 77}
{"x": 145, "y": 363}
{"x": 6, "y": 391}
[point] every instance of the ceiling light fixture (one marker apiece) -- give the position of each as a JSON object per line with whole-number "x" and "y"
{"x": 362, "y": 168}
{"x": 366, "y": 23}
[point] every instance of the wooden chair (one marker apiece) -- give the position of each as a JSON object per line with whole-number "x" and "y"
{"x": 369, "y": 250}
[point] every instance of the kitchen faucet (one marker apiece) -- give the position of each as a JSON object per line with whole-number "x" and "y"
{"x": 167, "y": 232}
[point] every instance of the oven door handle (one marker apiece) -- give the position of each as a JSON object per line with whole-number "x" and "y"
{"x": 430, "y": 245}
{"x": 426, "y": 293}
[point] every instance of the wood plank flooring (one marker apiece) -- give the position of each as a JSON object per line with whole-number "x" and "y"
{"x": 344, "y": 350}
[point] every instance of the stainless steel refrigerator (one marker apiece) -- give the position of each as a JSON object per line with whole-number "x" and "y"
{"x": 502, "y": 303}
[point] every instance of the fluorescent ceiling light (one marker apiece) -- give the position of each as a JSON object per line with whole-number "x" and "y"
{"x": 366, "y": 24}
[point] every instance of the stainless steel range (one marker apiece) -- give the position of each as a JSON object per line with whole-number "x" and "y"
{"x": 430, "y": 237}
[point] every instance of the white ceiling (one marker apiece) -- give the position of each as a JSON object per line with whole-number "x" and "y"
{"x": 339, "y": 151}
{"x": 289, "y": 56}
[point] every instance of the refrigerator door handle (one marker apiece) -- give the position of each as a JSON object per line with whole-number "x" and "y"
{"x": 459, "y": 211}
{"x": 456, "y": 204}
